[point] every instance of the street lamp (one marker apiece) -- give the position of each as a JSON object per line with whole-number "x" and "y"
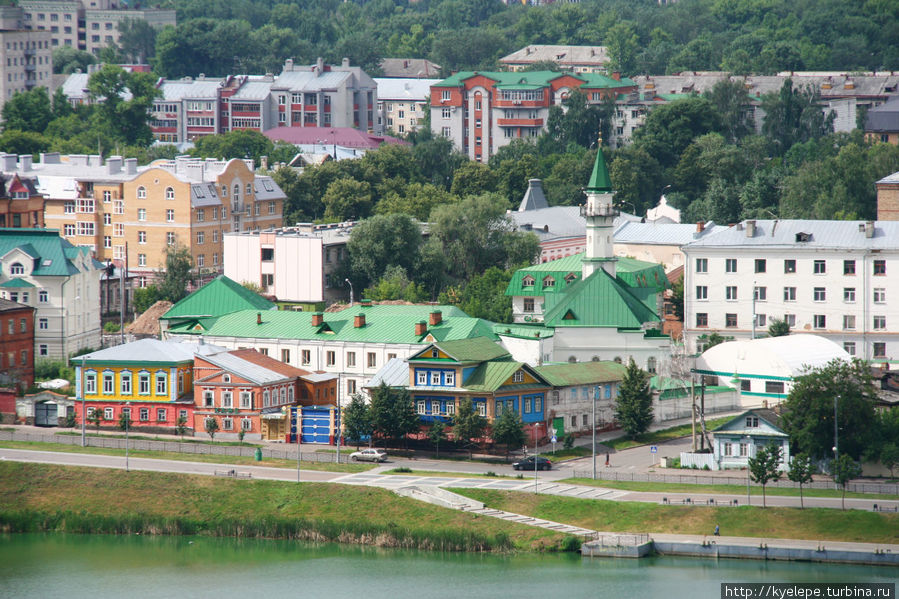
{"x": 337, "y": 423}
{"x": 536, "y": 426}
{"x": 595, "y": 393}
{"x": 83, "y": 412}
{"x": 836, "y": 438}
{"x": 348, "y": 282}
{"x": 127, "y": 426}
{"x": 299, "y": 436}
{"x": 748, "y": 440}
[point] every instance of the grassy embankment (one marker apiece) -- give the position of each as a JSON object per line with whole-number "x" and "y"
{"x": 790, "y": 523}
{"x": 43, "y": 497}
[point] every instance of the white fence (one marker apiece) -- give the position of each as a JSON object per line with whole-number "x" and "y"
{"x": 698, "y": 460}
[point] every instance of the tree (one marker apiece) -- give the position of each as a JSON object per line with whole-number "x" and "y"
{"x": 576, "y": 122}
{"x": 473, "y": 178}
{"x": 508, "y": 430}
{"x": 633, "y": 408}
{"x": 808, "y": 412}
{"x": 712, "y": 340}
{"x": 436, "y": 435}
{"x": 484, "y": 296}
{"x": 178, "y": 266}
{"x": 124, "y": 421}
{"x": 95, "y": 418}
{"x": 395, "y": 285}
{"x": 181, "y": 428}
{"x": 145, "y": 297}
{"x": 731, "y": 101}
{"x": 357, "y": 423}
{"x": 137, "y": 40}
{"x": 212, "y": 426}
{"x": 28, "y": 111}
{"x": 241, "y": 143}
{"x": 347, "y": 199}
{"x": 764, "y": 467}
{"x": 677, "y": 298}
{"x": 121, "y": 119}
{"x": 670, "y": 128}
{"x": 622, "y": 46}
{"x": 778, "y": 328}
{"x": 468, "y": 425}
{"x": 800, "y": 472}
{"x": 66, "y": 60}
{"x": 889, "y": 457}
{"x": 380, "y": 242}
{"x": 794, "y": 115}
{"x": 844, "y": 469}
{"x": 392, "y": 413}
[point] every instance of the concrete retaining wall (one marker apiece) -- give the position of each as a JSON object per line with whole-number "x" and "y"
{"x": 717, "y": 549}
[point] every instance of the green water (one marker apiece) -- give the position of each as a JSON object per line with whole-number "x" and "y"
{"x": 95, "y": 567}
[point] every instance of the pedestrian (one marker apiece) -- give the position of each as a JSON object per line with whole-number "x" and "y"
{"x": 607, "y": 460}
{"x": 716, "y": 531}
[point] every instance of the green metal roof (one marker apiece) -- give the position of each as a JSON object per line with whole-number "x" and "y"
{"x": 17, "y": 282}
{"x": 600, "y": 182}
{"x": 557, "y": 269}
{"x": 492, "y": 375}
{"x": 475, "y": 349}
{"x": 597, "y": 301}
{"x": 383, "y": 324}
{"x": 581, "y": 373}
{"x": 219, "y": 296}
{"x": 594, "y": 80}
{"x": 52, "y": 254}
{"x": 523, "y": 331}
{"x": 637, "y": 273}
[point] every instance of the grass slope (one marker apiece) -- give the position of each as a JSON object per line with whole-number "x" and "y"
{"x": 43, "y": 497}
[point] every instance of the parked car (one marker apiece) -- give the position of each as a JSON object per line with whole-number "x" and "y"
{"x": 369, "y": 455}
{"x": 528, "y": 463}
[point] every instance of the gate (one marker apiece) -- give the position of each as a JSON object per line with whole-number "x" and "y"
{"x": 317, "y": 424}
{"x": 45, "y": 414}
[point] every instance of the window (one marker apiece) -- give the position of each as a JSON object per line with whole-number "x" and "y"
{"x": 789, "y": 294}
{"x": 246, "y": 424}
{"x": 760, "y": 265}
{"x": 227, "y": 424}
{"x": 141, "y": 259}
{"x": 68, "y": 230}
{"x": 774, "y": 387}
{"x": 880, "y": 267}
{"x": 518, "y": 377}
{"x": 330, "y": 358}
{"x": 445, "y": 95}
{"x": 141, "y": 214}
{"x": 730, "y": 293}
{"x": 752, "y": 422}
{"x": 790, "y": 319}
{"x": 880, "y": 295}
{"x": 306, "y": 357}
{"x": 761, "y": 294}
{"x": 880, "y": 323}
{"x": 90, "y": 382}
{"x": 69, "y": 207}
{"x": 170, "y": 238}
{"x": 820, "y": 294}
{"x": 819, "y": 267}
{"x": 43, "y": 296}
{"x": 107, "y": 242}
{"x": 849, "y": 346}
{"x": 161, "y": 381}
{"x": 208, "y": 398}
{"x": 702, "y": 265}
{"x": 435, "y": 379}
{"x": 161, "y": 415}
{"x": 108, "y": 383}
{"x": 420, "y": 406}
{"x": 142, "y": 237}
{"x": 108, "y": 414}
{"x": 848, "y": 267}
{"x": 246, "y": 400}
{"x": 227, "y": 399}
{"x": 730, "y": 265}
{"x": 350, "y": 358}
{"x": 728, "y": 449}
{"x": 169, "y": 193}
{"x": 144, "y": 414}
{"x": 169, "y": 216}
{"x": 43, "y": 324}
{"x": 482, "y": 408}
{"x": 201, "y": 237}
{"x": 528, "y": 304}
{"x": 421, "y": 378}
{"x": 761, "y": 320}
{"x": 880, "y": 350}
{"x": 730, "y": 321}
{"x": 848, "y": 322}
{"x": 702, "y": 292}
{"x": 449, "y": 378}
{"x": 118, "y": 207}
{"x": 143, "y": 383}
{"x": 820, "y": 321}
{"x": 651, "y": 365}
{"x": 849, "y": 294}
{"x": 702, "y": 319}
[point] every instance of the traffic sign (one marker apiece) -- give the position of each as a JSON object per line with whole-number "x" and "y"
{"x": 553, "y": 440}
{"x": 653, "y": 449}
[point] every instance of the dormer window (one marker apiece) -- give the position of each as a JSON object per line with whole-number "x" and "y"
{"x": 570, "y": 278}
{"x": 20, "y": 195}
{"x": 16, "y": 268}
{"x": 803, "y": 237}
{"x": 518, "y": 377}
{"x": 548, "y": 282}
{"x": 528, "y": 281}
{"x": 434, "y": 353}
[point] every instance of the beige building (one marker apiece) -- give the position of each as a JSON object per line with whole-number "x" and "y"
{"x": 578, "y": 59}
{"x": 131, "y": 214}
{"x": 402, "y": 103}
{"x": 26, "y": 62}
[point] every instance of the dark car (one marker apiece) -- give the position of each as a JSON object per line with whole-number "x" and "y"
{"x": 528, "y": 464}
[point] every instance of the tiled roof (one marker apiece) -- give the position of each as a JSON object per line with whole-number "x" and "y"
{"x": 53, "y": 254}
{"x": 597, "y": 301}
{"x": 384, "y": 324}
{"x": 581, "y": 373}
{"x": 820, "y": 234}
{"x": 220, "y": 296}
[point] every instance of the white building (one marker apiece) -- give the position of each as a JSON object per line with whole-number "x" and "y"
{"x": 402, "y": 103}
{"x": 41, "y": 269}
{"x": 830, "y": 278}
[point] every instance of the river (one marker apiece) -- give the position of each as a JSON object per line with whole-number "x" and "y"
{"x": 96, "y": 567}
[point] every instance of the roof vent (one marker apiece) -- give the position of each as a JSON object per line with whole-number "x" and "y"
{"x": 869, "y": 229}
{"x": 750, "y": 228}
{"x": 803, "y": 237}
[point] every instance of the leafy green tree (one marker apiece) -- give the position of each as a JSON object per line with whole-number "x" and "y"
{"x": 670, "y": 128}
{"x": 730, "y": 100}
{"x": 124, "y": 421}
{"x": 778, "y": 328}
{"x": 636, "y": 177}
{"x": 622, "y": 46}
{"x": 764, "y": 467}
{"x": 576, "y": 122}
{"x": 844, "y": 469}
{"x": 415, "y": 199}
{"x": 95, "y": 419}
{"x": 121, "y": 119}
{"x": 437, "y": 435}
{"x": 380, "y": 242}
{"x": 181, "y": 428}
{"x": 712, "y": 340}
{"x": 212, "y": 427}
{"x": 28, "y": 111}
{"x": 436, "y": 159}
{"x": 633, "y": 408}
{"x": 347, "y": 199}
{"x": 508, "y": 430}
{"x": 468, "y": 425}
{"x": 145, "y": 297}
{"x": 808, "y": 412}
{"x": 800, "y": 472}
{"x": 67, "y": 59}
{"x": 473, "y": 178}
{"x": 178, "y": 267}
{"x": 793, "y": 115}
{"x": 137, "y": 40}
{"x": 14, "y": 141}
{"x": 889, "y": 457}
{"x": 233, "y": 144}
{"x": 483, "y": 296}
{"x": 677, "y": 298}
{"x": 60, "y": 104}
{"x": 357, "y": 423}
{"x": 392, "y": 413}
{"x": 395, "y": 285}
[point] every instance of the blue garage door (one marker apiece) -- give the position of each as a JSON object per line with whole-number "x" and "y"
{"x": 317, "y": 425}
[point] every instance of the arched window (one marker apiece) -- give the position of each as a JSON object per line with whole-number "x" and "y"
{"x": 618, "y": 359}
{"x": 169, "y": 193}
{"x": 266, "y": 401}
{"x": 237, "y": 191}
{"x": 572, "y": 360}
{"x": 595, "y": 359}
{"x": 290, "y": 393}
{"x": 226, "y": 378}
{"x": 570, "y": 278}
{"x": 16, "y": 268}
{"x": 249, "y": 189}
{"x": 283, "y": 395}
{"x": 141, "y": 193}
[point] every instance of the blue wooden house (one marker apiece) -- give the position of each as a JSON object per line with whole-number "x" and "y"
{"x": 742, "y": 437}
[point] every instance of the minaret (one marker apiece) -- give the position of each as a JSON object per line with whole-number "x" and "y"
{"x": 600, "y": 214}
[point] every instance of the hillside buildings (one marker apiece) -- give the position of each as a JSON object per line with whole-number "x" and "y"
{"x": 578, "y": 59}
{"x": 25, "y": 59}
{"x": 402, "y": 103}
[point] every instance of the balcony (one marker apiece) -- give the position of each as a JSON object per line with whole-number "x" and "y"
{"x": 519, "y": 122}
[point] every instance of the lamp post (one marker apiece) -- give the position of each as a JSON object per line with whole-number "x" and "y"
{"x": 836, "y": 437}
{"x": 536, "y": 427}
{"x": 348, "y": 282}
{"x": 337, "y": 420}
{"x": 595, "y": 393}
{"x": 127, "y": 426}
{"x": 748, "y": 440}
{"x": 83, "y": 409}
{"x": 299, "y": 436}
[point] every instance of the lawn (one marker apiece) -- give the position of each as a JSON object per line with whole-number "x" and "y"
{"x": 613, "y": 516}
{"x": 660, "y": 436}
{"x": 75, "y": 499}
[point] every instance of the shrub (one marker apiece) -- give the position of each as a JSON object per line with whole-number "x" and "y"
{"x": 568, "y": 441}
{"x": 111, "y": 327}
{"x": 571, "y": 544}
{"x": 402, "y": 470}
{"x": 490, "y": 473}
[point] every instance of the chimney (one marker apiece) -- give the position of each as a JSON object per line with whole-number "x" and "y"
{"x": 366, "y": 303}
{"x": 258, "y": 317}
{"x": 25, "y": 162}
{"x": 319, "y": 66}
{"x": 263, "y": 162}
{"x": 869, "y": 229}
{"x": 288, "y": 64}
{"x": 750, "y": 228}
{"x": 51, "y": 158}
{"x": 700, "y": 226}
{"x": 345, "y": 63}
{"x": 421, "y": 327}
{"x": 616, "y": 76}
{"x": 435, "y": 318}
{"x": 359, "y": 320}
{"x": 131, "y": 166}
{"x": 9, "y": 161}
{"x": 114, "y": 165}
{"x": 317, "y": 319}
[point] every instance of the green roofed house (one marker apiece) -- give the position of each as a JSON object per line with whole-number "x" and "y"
{"x": 353, "y": 343}
{"x": 577, "y": 388}
{"x": 598, "y": 306}
{"x": 40, "y": 269}
{"x": 218, "y": 297}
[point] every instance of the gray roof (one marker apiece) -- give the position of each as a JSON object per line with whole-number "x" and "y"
{"x": 552, "y": 222}
{"x": 884, "y": 118}
{"x": 265, "y": 188}
{"x": 204, "y": 194}
{"x": 6, "y": 304}
{"x": 251, "y": 371}
{"x": 395, "y": 373}
{"x": 149, "y": 351}
{"x": 656, "y": 233}
{"x": 409, "y": 67}
{"x": 821, "y": 234}
{"x": 562, "y": 55}
{"x": 253, "y": 90}
{"x": 174, "y": 90}
{"x": 318, "y": 377}
{"x": 404, "y": 89}
{"x": 534, "y": 198}
{"x": 894, "y": 178}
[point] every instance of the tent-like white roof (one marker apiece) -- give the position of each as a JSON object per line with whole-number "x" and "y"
{"x": 772, "y": 357}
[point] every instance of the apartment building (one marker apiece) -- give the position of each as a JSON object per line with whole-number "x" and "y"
{"x": 21, "y": 206}
{"x": 481, "y": 112}
{"x": 88, "y": 25}
{"x": 578, "y": 59}
{"x": 188, "y": 108}
{"x": 16, "y": 344}
{"x": 130, "y": 215}
{"x": 26, "y": 61}
{"x": 402, "y": 103}
{"x": 830, "y": 278}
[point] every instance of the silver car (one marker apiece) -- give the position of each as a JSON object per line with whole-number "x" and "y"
{"x": 369, "y": 455}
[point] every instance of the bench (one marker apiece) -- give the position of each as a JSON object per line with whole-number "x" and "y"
{"x": 233, "y": 474}
{"x": 886, "y": 508}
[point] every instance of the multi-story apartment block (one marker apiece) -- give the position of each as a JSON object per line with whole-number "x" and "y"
{"x": 21, "y": 206}
{"x": 89, "y": 25}
{"x": 25, "y": 57}
{"x": 188, "y": 108}
{"x": 62, "y": 282}
{"x": 830, "y": 278}
{"x": 578, "y": 59}
{"x": 131, "y": 215}
{"x": 402, "y": 103}
{"x": 483, "y": 111}
{"x": 16, "y": 344}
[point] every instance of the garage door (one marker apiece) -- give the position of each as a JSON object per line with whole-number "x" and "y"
{"x": 45, "y": 414}
{"x": 317, "y": 424}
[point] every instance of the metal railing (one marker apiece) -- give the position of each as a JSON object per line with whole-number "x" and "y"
{"x": 606, "y": 539}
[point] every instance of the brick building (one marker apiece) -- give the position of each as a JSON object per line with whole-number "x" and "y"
{"x": 21, "y": 206}
{"x": 16, "y": 344}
